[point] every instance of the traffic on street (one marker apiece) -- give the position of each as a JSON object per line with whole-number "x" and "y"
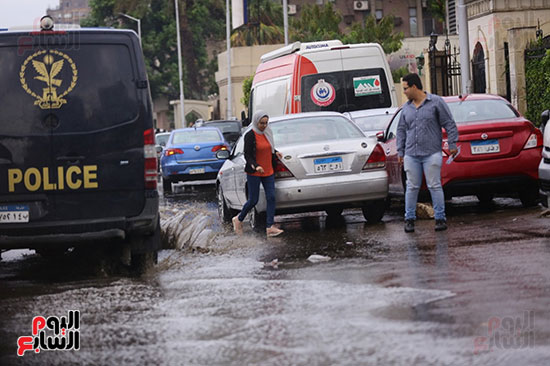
{"x": 337, "y": 188}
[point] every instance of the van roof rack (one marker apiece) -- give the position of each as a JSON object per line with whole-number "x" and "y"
{"x": 286, "y": 50}
{"x": 298, "y": 46}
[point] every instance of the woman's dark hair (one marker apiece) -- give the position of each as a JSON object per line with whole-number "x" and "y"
{"x": 413, "y": 79}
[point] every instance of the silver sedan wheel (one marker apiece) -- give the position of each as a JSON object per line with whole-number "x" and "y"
{"x": 223, "y": 211}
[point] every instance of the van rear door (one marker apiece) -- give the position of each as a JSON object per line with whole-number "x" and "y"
{"x": 97, "y": 145}
{"x": 348, "y": 79}
{"x": 25, "y": 139}
{"x": 72, "y": 124}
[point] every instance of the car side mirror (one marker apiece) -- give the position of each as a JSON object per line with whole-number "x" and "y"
{"x": 222, "y": 154}
{"x": 380, "y": 136}
{"x": 158, "y": 148}
{"x": 544, "y": 118}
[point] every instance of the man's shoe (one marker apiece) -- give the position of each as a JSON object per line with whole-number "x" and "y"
{"x": 409, "y": 226}
{"x": 440, "y": 225}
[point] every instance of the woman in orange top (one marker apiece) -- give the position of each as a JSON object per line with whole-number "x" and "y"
{"x": 261, "y": 159}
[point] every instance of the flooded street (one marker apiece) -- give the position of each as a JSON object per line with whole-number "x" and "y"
{"x": 326, "y": 292}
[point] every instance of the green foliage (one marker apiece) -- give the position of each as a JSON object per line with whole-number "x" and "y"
{"x": 316, "y": 23}
{"x": 247, "y": 85}
{"x": 378, "y": 32}
{"x": 264, "y": 25}
{"x": 438, "y": 9}
{"x": 101, "y": 15}
{"x": 537, "y": 80}
{"x": 321, "y": 23}
{"x": 397, "y": 74}
{"x": 191, "y": 117}
{"x": 200, "y": 22}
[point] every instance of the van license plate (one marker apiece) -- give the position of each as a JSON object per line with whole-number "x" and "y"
{"x": 14, "y": 213}
{"x": 196, "y": 171}
{"x": 485, "y": 147}
{"x": 328, "y": 164}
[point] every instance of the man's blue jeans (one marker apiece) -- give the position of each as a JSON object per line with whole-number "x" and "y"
{"x": 253, "y": 183}
{"x": 431, "y": 167}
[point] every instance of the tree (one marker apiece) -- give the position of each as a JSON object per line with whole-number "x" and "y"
{"x": 247, "y": 86}
{"x": 438, "y": 9}
{"x": 264, "y": 25}
{"x": 316, "y": 23}
{"x": 200, "y": 21}
{"x": 378, "y": 32}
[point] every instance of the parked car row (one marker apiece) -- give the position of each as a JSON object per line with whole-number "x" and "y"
{"x": 328, "y": 164}
{"x": 544, "y": 167}
{"x": 500, "y": 151}
{"x": 332, "y": 161}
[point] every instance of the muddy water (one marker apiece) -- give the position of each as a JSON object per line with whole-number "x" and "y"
{"x": 380, "y": 298}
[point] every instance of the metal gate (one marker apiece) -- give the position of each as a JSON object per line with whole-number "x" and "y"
{"x": 444, "y": 70}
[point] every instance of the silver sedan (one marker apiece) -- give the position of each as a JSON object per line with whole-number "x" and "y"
{"x": 328, "y": 164}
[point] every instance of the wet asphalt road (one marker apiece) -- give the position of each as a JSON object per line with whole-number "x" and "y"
{"x": 477, "y": 294}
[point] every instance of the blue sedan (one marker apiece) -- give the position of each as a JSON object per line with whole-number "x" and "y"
{"x": 190, "y": 155}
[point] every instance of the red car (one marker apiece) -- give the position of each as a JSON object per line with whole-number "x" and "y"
{"x": 500, "y": 151}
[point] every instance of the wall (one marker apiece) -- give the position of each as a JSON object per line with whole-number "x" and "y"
{"x": 413, "y": 47}
{"x": 199, "y": 107}
{"x": 244, "y": 61}
{"x": 492, "y": 27}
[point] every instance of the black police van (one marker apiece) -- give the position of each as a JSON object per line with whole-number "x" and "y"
{"x": 77, "y": 146}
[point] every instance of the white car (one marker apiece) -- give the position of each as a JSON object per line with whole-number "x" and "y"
{"x": 328, "y": 164}
{"x": 372, "y": 121}
{"x": 544, "y": 167}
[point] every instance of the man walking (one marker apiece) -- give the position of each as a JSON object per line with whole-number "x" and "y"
{"x": 419, "y": 140}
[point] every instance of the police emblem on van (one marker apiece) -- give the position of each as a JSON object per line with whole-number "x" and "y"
{"x": 46, "y": 67}
{"x": 323, "y": 93}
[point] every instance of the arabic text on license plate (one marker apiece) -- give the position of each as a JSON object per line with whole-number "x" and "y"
{"x": 328, "y": 164}
{"x": 196, "y": 171}
{"x": 485, "y": 147}
{"x": 14, "y": 213}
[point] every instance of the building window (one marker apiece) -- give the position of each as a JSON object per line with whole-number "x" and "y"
{"x": 412, "y": 22}
{"x": 451, "y": 5}
{"x": 379, "y": 14}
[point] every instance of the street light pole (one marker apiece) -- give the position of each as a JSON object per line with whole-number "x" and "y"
{"x": 135, "y": 20}
{"x": 285, "y": 20}
{"x": 179, "y": 65}
{"x": 228, "y": 36}
{"x": 464, "y": 42}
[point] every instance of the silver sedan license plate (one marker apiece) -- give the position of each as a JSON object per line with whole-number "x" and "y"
{"x": 14, "y": 213}
{"x": 328, "y": 164}
{"x": 485, "y": 147}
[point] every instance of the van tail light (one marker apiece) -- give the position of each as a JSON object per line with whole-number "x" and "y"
{"x": 170, "y": 152}
{"x": 150, "y": 154}
{"x": 281, "y": 171}
{"x": 535, "y": 140}
{"x": 219, "y": 147}
{"x": 377, "y": 159}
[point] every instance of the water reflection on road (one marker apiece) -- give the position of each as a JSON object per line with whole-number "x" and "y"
{"x": 383, "y": 298}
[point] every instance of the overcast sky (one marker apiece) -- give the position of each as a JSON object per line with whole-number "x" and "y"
{"x": 23, "y": 12}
